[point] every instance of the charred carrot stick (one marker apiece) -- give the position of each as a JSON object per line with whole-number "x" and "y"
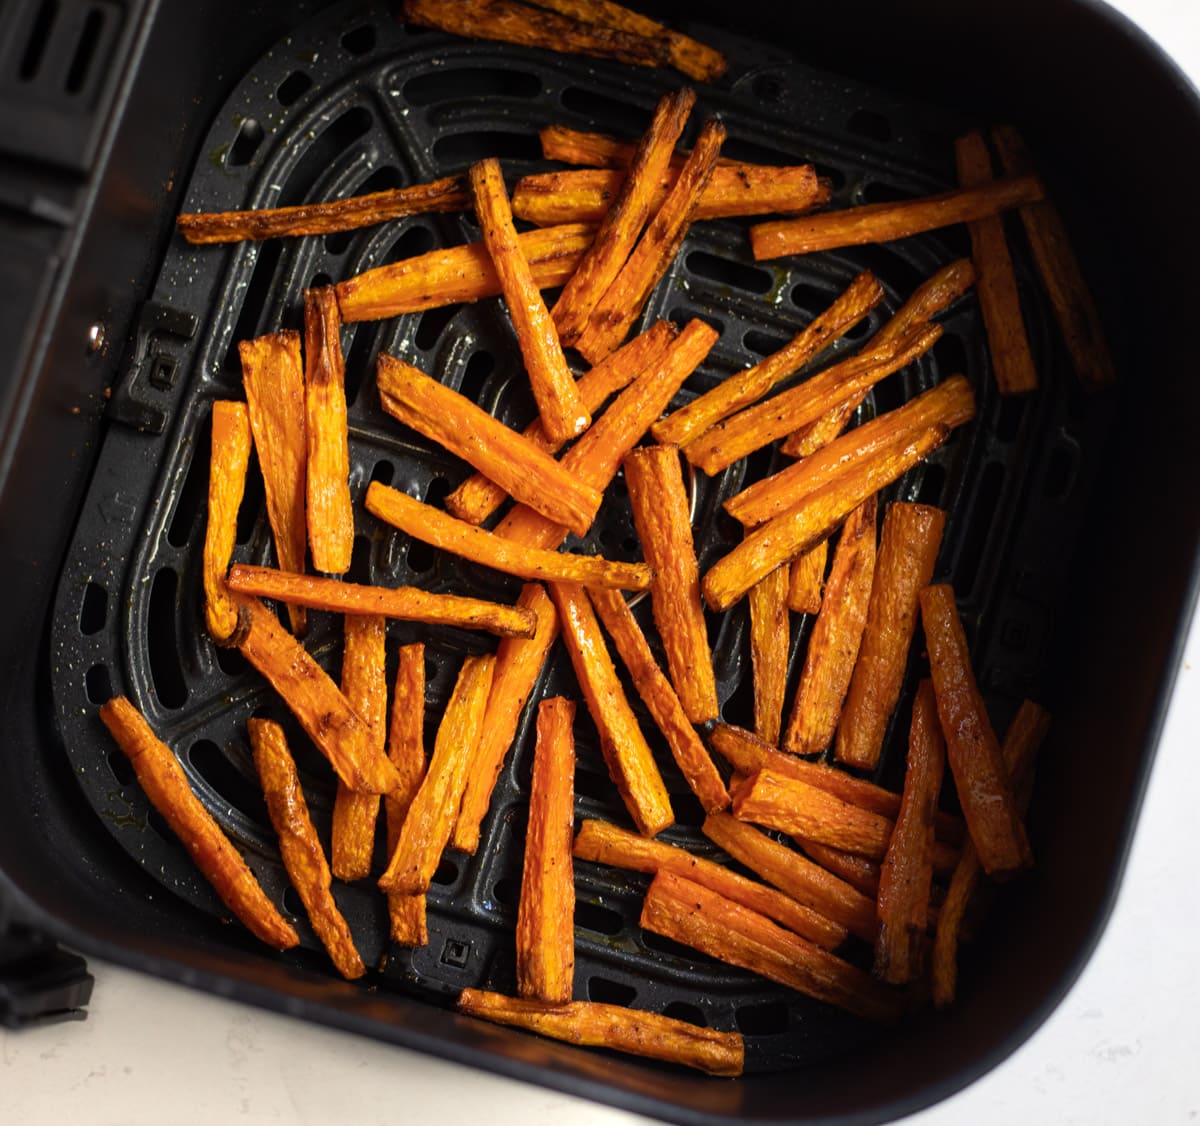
{"x": 907, "y": 873}
{"x": 364, "y": 684}
{"x": 883, "y": 222}
{"x": 806, "y": 580}
{"x": 660, "y": 698}
{"x": 479, "y": 496}
{"x": 336, "y": 729}
{"x": 530, "y": 474}
{"x": 405, "y": 602}
{"x": 836, "y": 637}
{"x": 433, "y": 810}
{"x": 299, "y": 846}
{"x": 908, "y": 551}
{"x": 744, "y": 388}
{"x": 327, "y": 216}
{"x": 660, "y": 514}
{"x": 546, "y": 911}
{"x": 273, "y": 377}
{"x": 166, "y": 786}
{"x": 599, "y": 150}
{"x": 622, "y": 219}
{"x": 687, "y": 912}
{"x": 769, "y": 636}
{"x": 457, "y": 274}
{"x": 228, "y": 462}
{"x": 594, "y": 1024}
{"x": 1072, "y": 302}
{"x": 857, "y": 871}
{"x": 982, "y": 783}
{"x": 603, "y": 843}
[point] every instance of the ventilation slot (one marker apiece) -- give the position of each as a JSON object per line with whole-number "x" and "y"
{"x": 470, "y": 85}
{"x": 249, "y": 136}
{"x": 727, "y": 273}
{"x": 867, "y": 123}
{"x": 98, "y": 685}
{"x": 983, "y": 520}
{"x": 193, "y": 497}
{"x": 327, "y": 150}
{"x": 458, "y": 150}
{"x": 226, "y": 779}
{"x": 162, "y": 642}
{"x": 94, "y": 611}
{"x": 610, "y": 992}
{"x": 85, "y": 51}
{"x": 293, "y": 88}
{"x": 360, "y": 41}
{"x": 39, "y": 37}
{"x": 769, "y": 1019}
{"x": 612, "y": 116}
{"x": 507, "y": 892}
{"x": 599, "y": 920}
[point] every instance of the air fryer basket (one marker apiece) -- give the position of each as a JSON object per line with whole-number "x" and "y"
{"x": 349, "y": 101}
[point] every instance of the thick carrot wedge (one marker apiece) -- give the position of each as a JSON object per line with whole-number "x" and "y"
{"x": 883, "y": 222}
{"x": 364, "y": 684}
{"x": 524, "y": 470}
{"x": 836, "y": 636}
{"x": 405, "y": 602}
{"x": 299, "y": 846}
{"x": 603, "y": 843}
{"x": 628, "y": 757}
{"x": 166, "y": 786}
{"x": 687, "y": 912}
{"x": 336, "y": 729}
{"x": 432, "y": 526}
{"x": 594, "y": 1024}
{"x": 907, "y": 873}
{"x": 433, "y": 810}
{"x": 660, "y": 513}
{"x": 457, "y": 274}
{"x": 273, "y": 376}
{"x": 546, "y": 911}
{"x": 769, "y": 637}
{"x": 982, "y": 783}
{"x": 228, "y": 463}
{"x": 806, "y": 580}
{"x": 908, "y": 551}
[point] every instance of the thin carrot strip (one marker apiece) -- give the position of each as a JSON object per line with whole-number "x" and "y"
{"x": 769, "y": 636}
{"x": 857, "y": 871}
{"x": 228, "y": 462}
{"x": 806, "y": 580}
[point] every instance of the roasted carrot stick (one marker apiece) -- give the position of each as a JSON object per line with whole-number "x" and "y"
{"x": 806, "y": 580}
{"x": 594, "y": 1024}
{"x": 273, "y": 377}
{"x": 433, "y": 810}
{"x": 908, "y": 551}
{"x": 299, "y": 846}
{"x": 836, "y": 636}
{"x": 600, "y": 150}
{"x": 769, "y": 636}
{"x": 406, "y": 602}
{"x": 857, "y": 871}
{"x": 982, "y": 783}
{"x": 604, "y": 843}
{"x": 228, "y": 463}
{"x": 883, "y": 222}
{"x": 166, "y": 786}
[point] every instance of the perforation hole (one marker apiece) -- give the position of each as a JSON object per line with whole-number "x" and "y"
{"x": 1008, "y": 421}
{"x": 224, "y": 776}
{"x": 416, "y": 239}
{"x": 763, "y": 343}
{"x": 479, "y": 367}
{"x": 98, "y": 684}
{"x": 332, "y": 145}
{"x": 610, "y": 992}
{"x": 729, "y": 273}
{"x": 121, "y": 767}
{"x": 609, "y": 114}
{"x": 446, "y": 874}
{"x": 767, "y": 1019}
{"x": 231, "y": 662}
{"x": 472, "y": 84}
{"x": 457, "y": 150}
{"x": 39, "y": 37}
{"x": 507, "y": 892}
{"x": 879, "y": 192}
{"x": 249, "y": 136}
{"x": 193, "y": 497}
{"x": 293, "y": 88}
{"x": 431, "y": 326}
{"x": 933, "y": 484}
{"x": 689, "y": 1014}
{"x": 359, "y": 40}
{"x": 950, "y": 355}
{"x": 868, "y": 123}
{"x": 85, "y": 51}
{"x": 987, "y": 499}
{"x": 162, "y": 644}
{"x": 600, "y": 920}
{"x": 292, "y": 903}
{"x": 93, "y": 613}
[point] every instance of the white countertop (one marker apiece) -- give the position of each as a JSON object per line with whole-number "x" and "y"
{"x": 1122, "y": 1047}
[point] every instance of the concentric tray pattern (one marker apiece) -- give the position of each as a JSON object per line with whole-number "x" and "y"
{"x": 355, "y": 102}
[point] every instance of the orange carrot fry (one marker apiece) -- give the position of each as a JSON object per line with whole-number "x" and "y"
{"x": 406, "y": 750}
{"x": 273, "y": 376}
{"x": 458, "y": 273}
{"x": 546, "y": 911}
{"x": 604, "y": 843}
{"x": 518, "y": 663}
{"x": 405, "y": 602}
{"x": 806, "y": 580}
{"x": 431, "y": 814}
{"x": 364, "y": 684}
{"x": 836, "y": 636}
{"x": 599, "y": 150}
{"x": 747, "y": 387}
{"x": 166, "y": 786}
{"x": 615, "y": 312}
{"x": 660, "y": 698}
{"x": 559, "y": 406}
{"x": 999, "y": 302}
{"x": 769, "y": 636}
{"x": 982, "y": 783}
{"x": 229, "y": 460}
{"x": 330, "y": 517}
{"x": 1021, "y": 744}
{"x": 299, "y": 846}
{"x": 883, "y": 222}
{"x": 663, "y": 521}
{"x": 907, "y": 873}
{"x": 689, "y": 913}
{"x": 336, "y": 729}
{"x": 795, "y": 875}
{"x": 908, "y": 551}
{"x": 621, "y": 221}
{"x": 594, "y": 1024}
{"x": 530, "y": 474}
{"x": 327, "y": 216}
{"x": 479, "y": 496}
{"x": 1072, "y": 302}
{"x": 857, "y": 871}
{"x": 626, "y": 753}
{"x": 431, "y": 525}
{"x": 757, "y": 426}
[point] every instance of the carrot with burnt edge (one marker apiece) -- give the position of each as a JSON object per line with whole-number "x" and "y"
{"x": 229, "y": 460}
